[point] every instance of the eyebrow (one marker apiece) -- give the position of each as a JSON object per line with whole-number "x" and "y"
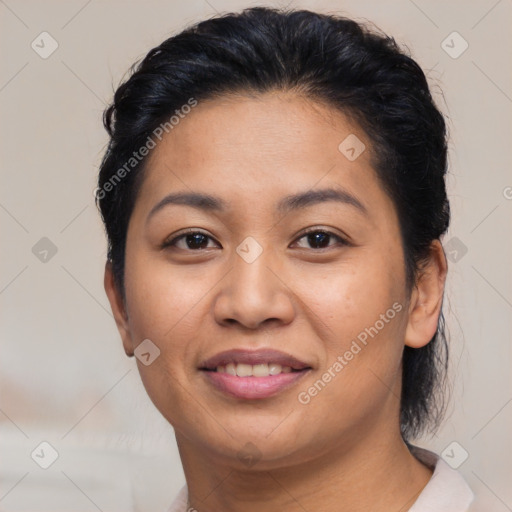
{"x": 287, "y": 204}
{"x": 312, "y": 197}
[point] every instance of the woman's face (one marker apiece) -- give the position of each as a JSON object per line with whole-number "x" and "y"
{"x": 252, "y": 280}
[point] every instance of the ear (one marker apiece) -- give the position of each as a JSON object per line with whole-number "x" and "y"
{"x": 427, "y": 298}
{"x": 118, "y": 309}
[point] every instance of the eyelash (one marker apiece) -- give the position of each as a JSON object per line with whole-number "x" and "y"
{"x": 172, "y": 242}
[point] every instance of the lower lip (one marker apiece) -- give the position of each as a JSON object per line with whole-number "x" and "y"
{"x": 251, "y": 388}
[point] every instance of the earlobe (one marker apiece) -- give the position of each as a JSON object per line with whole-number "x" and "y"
{"x": 118, "y": 309}
{"x": 427, "y": 298}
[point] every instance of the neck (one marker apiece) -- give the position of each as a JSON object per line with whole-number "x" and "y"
{"x": 376, "y": 473}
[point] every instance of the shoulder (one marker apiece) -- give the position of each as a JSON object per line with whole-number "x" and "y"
{"x": 180, "y": 502}
{"x": 447, "y": 490}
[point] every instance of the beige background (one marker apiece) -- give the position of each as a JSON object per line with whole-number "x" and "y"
{"x": 64, "y": 377}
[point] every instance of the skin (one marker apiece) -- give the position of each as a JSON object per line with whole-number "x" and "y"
{"x": 342, "y": 450}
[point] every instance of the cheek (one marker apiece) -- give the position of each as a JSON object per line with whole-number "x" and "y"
{"x": 363, "y": 304}
{"x": 365, "y": 313}
{"x": 353, "y": 296}
{"x": 163, "y": 304}
{"x": 161, "y": 297}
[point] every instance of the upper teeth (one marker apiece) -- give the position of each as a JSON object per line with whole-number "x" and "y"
{"x": 256, "y": 370}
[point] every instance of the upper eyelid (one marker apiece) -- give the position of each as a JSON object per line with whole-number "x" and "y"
{"x": 342, "y": 238}
{"x": 191, "y": 231}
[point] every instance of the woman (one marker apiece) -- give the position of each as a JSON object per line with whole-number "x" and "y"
{"x": 274, "y": 199}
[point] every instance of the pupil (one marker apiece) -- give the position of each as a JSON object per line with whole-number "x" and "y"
{"x": 198, "y": 240}
{"x": 196, "y": 243}
{"x": 315, "y": 238}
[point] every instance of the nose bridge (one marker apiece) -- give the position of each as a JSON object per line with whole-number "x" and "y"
{"x": 251, "y": 268}
{"x": 252, "y": 292}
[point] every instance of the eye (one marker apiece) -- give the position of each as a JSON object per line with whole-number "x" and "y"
{"x": 191, "y": 240}
{"x": 195, "y": 240}
{"x": 319, "y": 238}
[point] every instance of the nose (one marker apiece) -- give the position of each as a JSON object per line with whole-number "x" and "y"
{"x": 253, "y": 295}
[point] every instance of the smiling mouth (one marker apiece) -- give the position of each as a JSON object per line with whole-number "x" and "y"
{"x": 256, "y": 370}
{"x": 253, "y": 374}
{"x": 253, "y": 387}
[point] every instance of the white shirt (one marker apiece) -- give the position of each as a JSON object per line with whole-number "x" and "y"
{"x": 446, "y": 491}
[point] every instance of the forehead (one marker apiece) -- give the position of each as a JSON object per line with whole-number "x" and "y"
{"x": 250, "y": 148}
{"x": 259, "y": 131}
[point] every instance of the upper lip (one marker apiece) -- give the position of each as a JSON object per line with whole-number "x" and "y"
{"x": 252, "y": 357}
